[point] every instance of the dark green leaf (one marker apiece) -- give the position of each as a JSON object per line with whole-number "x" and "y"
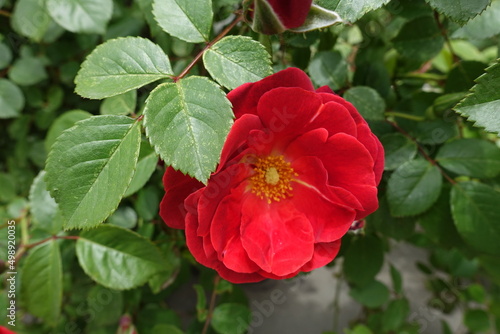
{"x": 81, "y": 16}
{"x": 470, "y": 157}
{"x": 182, "y": 19}
{"x": 27, "y": 71}
{"x": 164, "y": 329}
{"x": 231, "y": 318}
{"x": 477, "y": 320}
{"x": 44, "y": 209}
{"x": 105, "y": 306}
{"x": 317, "y": 18}
{"x": 122, "y": 104}
{"x": 90, "y": 167}
{"x": 117, "y": 258}
{"x": 235, "y": 60}
{"x": 120, "y": 65}
{"x": 367, "y": 101}
{"x": 459, "y": 10}
{"x": 482, "y": 26}
{"x": 475, "y": 211}
{"x": 481, "y": 106}
{"x": 363, "y": 260}
{"x": 461, "y": 77}
{"x": 398, "y": 150}
{"x": 187, "y": 123}
{"x": 23, "y": 19}
{"x": 8, "y": 187}
{"x": 413, "y": 188}
{"x": 374, "y": 294}
{"x": 11, "y": 99}
{"x": 328, "y": 68}
{"x": 358, "y": 329}
{"x": 42, "y": 282}
{"x": 145, "y": 168}
{"x": 63, "y": 122}
{"x": 419, "y": 39}
{"x": 395, "y": 314}
{"x": 397, "y": 280}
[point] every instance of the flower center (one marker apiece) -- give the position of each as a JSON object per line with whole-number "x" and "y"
{"x": 272, "y": 178}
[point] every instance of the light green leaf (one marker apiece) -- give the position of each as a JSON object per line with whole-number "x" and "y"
{"x": 117, "y": 258}
{"x": 398, "y": 149}
{"x": 120, "y": 65}
{"x": 351, "y": 11}
{"x": 11, "y": 99}
{"x": 328, "y": 68}
{"x": 482, "y": 26}
{"x": 42, "y": 282}
{"x": 419, "y": 39}
{"x": 470, "y": 157}
{"x": 63, "y": 122}
{"x": 477, "y": 320}
{"x": 27, "y": 71}
{"x": 413, "y": 188}
{"x": 81, "y": 16}
{"x": 124, "y": 217}
{"x": 145, "y": 168}
{"x": 459, "y": 10}
{"x": 374, "y": 294}
{"x": 474, "y": 207}
{"x": 44, "y": 209}
{"x": 231, "y": 318}
{"x": 235, "y": 60}
{"x": 363, "y": 260}
{"x": 185, "y": 20}
{"x": 90, "y": 167}
{"x": 187, "y": 123}
{"x": 122, "y": 104}
{"x": 367, "y": 101}
{"x": 30, "y": 19}
{"x": 5, "y": 56}
{"x": 483, "y": 104}
{"x": 317, "y": 18}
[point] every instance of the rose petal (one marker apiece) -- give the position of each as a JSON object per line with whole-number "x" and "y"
{"x": 335, "y": 118}
{"x": 324, "y": 253}
{"x": 246, "y": 97}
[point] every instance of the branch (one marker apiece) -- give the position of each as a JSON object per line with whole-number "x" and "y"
{"x": 212, "y": 305}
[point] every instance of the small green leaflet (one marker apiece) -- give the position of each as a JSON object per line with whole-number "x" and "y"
{"x": 328, "y": 68}
{"x": 413, "y": 188}
{"x": 11, "y": 99}
{"x": 398, "y": 149}
{"x": 117, "y": 258}
{"x": 81, "y": 16}
{"x": 367, "y": 101}
{"x": 42, "y": 285}
{"x": 191, "y": 22}
{"x": 459, "y": 10}
{"x": 187, "y": 123}
{"x": 23, "y": 19}
{"x": 230, "y": 318}
{"x": 482, "y": 106}
{"x": 45, "y": 212}
{"x": 120, "y": 65}
{"x": 90, "y": 167}
{"x": 364, "y": 260}
{"x": 122, "y": 104}
{"x": 474, "y": 207}
{"x": 235, "y": 60}
{"x": 145, "y": 167}
{"x": 482, "y": 26}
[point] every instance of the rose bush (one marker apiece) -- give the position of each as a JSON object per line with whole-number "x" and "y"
{"x": 298, "y": 167}
{"x": 276, "y": 16}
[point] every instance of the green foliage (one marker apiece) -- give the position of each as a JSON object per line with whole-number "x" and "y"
{"x": 367, "y": 101}
{"x": 84, "y": 16}
{"x": 11, "y": 99}
{"x": 228, "y": 318}
{"x": 328, "y": 69}
{"x": 461, "y": 10}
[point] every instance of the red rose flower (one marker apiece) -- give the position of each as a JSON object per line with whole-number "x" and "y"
{"x": 4, "y": 330}
{"x": 276, "y": 16}
{"x": 299, "y": 166}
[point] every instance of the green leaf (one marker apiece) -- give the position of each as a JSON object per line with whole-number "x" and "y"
{"x": 381, "y": 221}
{"x": 122, "y": 104}
{"x": 470, "y": 157}
{"x": 459, "y": 10}
{"x": 231, "y": 318}
{"x": 120, "y": 65}
{"x": 182, "y": 19}
{"x": 373, "y": 294}
{"x": 105, "y": 305}
{"x": 351, "y": 11}
{"x": 5, "y": 56}
{"x": 397, "y": 280}
{"x": 30, "y": 19}
{"x": 117, "y": 258}
{"x": 235, "y": 60}
{"x": 63, "y": 122}
{"x": 398, "y": 150}
{"x": 27, "y": 71}
{"x": 90, "y": 167}
{"x": 8, "y": 188}
{"x": 358, "y": 329}
{"x": 124, "y": 217}
{"x": 482, "y": 26}
{"x": 328, "y": 68}
{"x": 474, "y": 207}
{"x": 317, "y": 18}
{"x": 187, "y": 122}
{"x": 163, "y": 329}
{"x": 413, "y": 188}
{"x": 201, "y": 302}
{"x": 477, "y": 320}
{"x": 42, "y": 282}
{"x": 11, "y": 99}
{"x": 145, "y": 168}
{"x": 44, "y": 209}
{"x": 367, "y": 101}
{"x": 482, "y": 105}
{"x": 419, "y": 39}
{"x": 363, "y": 260}
{"x": 395, "y": 314}
{"x": 81, "y": 16}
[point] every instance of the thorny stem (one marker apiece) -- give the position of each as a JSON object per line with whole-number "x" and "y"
{"x": 456, "y": 59}
{"x": 223, "y": 33}
{"x": 422, "y": 151}
{"x": 403, "y": 115}
{"x": 211, "y": 306}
